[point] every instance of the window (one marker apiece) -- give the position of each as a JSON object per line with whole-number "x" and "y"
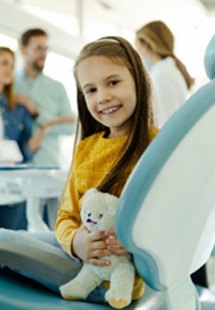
{"x": 9, "y": 41}
{"x": 60, "y": 68}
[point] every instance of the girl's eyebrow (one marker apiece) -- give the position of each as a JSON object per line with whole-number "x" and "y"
{"x": 106, "y": 79}
{"x": 113, "y": 76}
{"x": 87, "y": 86}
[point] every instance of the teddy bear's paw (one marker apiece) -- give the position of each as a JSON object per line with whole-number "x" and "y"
{"x": 70, "y": 297}
{"x": 72, "y": 291}
{"x": 118, "y": 303}
{"x": 118, "y": 299}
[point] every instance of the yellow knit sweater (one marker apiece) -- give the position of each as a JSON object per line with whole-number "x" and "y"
{"x": 93, "y": 159}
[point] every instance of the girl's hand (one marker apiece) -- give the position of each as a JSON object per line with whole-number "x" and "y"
{"x": 91, "y": 247}
{"x": 114, "y": 245}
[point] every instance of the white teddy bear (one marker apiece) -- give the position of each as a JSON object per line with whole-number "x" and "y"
{"x": 98, "y": 213}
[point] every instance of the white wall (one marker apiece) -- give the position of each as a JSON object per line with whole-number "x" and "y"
{"x": 13, "y": 21}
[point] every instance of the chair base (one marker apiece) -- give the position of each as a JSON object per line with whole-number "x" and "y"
{"x": 20, "y": 293}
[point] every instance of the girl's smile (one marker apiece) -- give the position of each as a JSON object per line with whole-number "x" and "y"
{"x": 109, "y": 92}
{"x": 111, "y": 109}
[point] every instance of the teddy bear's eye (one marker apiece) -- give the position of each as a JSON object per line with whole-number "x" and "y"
{"x": 100, "y": 216}
{"x": 89, "y": 214}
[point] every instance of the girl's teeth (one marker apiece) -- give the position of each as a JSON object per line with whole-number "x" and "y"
{"x": 110, "y": 110}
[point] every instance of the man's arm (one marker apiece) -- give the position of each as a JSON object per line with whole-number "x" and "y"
{"x": 27, "y": 103}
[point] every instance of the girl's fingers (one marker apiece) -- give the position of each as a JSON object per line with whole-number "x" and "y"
{"x": 99, "y": 262}
{"x": 99, "y": 249}
{"x": 103, "y": 243}
{"x": 111, "y": 233}
{"x": 115, "y": 247}
{"x": 118, "y": 251}
{"x": 99, "y": 235}
{"x": 99, "y": 245}
{"x": 113, "y": 242}
{"x": 101, "y": 253}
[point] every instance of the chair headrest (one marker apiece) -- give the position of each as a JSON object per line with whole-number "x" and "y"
{"x": 209, "y": 59}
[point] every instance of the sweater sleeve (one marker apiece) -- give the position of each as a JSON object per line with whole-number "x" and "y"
{"x": 68, "y": 217}
{"x": 153, "y": 132}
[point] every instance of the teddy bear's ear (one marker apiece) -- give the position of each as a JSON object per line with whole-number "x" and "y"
{"x": 90, "y": 192}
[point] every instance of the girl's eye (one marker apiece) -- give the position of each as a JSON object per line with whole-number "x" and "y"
{"x": 113, "y": 82}
{"x": 90, "y": 90}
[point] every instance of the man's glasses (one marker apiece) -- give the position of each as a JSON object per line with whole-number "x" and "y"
{"x": 39, "y": 48}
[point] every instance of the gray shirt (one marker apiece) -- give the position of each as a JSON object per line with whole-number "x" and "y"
{"x": 52, "y": 101}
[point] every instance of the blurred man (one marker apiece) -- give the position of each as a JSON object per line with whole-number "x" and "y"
{"x": 44, "y": 97}
{"x": 47, "y": 101}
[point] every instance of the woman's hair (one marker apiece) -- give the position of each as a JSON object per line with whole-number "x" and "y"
{"x": 159, "y": 38}
{"x": 8, "y": 90}
{"x": 121, "y": 52}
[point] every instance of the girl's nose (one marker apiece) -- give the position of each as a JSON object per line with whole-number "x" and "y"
{"x": 104, "y": 96}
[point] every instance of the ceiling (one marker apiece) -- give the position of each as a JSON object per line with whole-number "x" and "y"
{"x": 130, "y": 12}
{"x": 192, "y": 21}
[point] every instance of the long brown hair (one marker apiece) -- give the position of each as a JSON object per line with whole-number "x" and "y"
{"x": 160, "y": 39}
{"x": 8, "y": 89}
{"x": 121, "y": 51}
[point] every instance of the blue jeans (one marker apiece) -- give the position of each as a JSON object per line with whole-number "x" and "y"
{"x": 13, "y": 216}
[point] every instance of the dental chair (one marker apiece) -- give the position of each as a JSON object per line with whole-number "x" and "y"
{"x": 166, "y": 219}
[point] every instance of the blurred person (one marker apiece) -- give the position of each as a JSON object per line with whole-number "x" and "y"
{"x": 172, "y": 82}
{"x": 17, "y": 126}
{"x": 43, "y": 96}
{"x": 17, "y": 121}
{"x": 1, "y": 127}
{"x": 47, "y": 100}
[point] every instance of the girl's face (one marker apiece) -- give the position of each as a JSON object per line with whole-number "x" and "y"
{"x": 109, "y": 92}
{"x": 6, "y": 69}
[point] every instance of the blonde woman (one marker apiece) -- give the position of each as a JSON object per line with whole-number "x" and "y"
{"x": 172, "y": 82}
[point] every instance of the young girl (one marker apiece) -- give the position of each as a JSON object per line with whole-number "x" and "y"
{"x": 115, "y": 127}
{"x": 17, "y": 122}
